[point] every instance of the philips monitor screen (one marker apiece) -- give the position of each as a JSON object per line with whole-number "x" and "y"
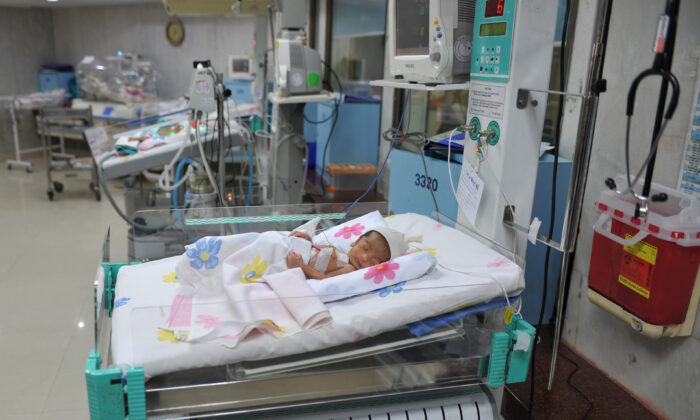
{"x": 412, "y": 27}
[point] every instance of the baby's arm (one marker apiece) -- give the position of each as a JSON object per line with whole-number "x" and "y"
{"x": 294, "y": 260}
{"x": 306, "y": 230}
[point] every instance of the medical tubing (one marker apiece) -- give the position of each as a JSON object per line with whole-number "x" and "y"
{"x": 250, "y": 175}
{"x": 306, "y": 171}
{"x": 472, "y": 273}
{"x": 175, "y": 206}
{"x": 386, "y": 158}
{"x": 207, "y": 168}
{"x": 668, "y": 77}
{"x": 100, "y": 178}
{"x": 449, "y": 167}
{"x": 631, "y": 184}
{"x": 164, "y": 178}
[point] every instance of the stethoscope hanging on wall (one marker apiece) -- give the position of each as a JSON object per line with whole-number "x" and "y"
{"x": 663, "y": 58}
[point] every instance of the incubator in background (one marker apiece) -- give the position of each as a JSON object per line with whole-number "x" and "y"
{"x": 123, "y": 78}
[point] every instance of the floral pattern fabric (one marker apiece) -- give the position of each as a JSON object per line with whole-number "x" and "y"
{"x": 379, "y": 272}
{"x": 204, "y": 253}
{"x": 254, "y": 270}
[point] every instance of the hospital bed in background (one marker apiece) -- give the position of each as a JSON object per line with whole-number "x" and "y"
{"x": 452, "y": 365}
{"x": 32, "y": 101}
{"x": 65, "y": 123}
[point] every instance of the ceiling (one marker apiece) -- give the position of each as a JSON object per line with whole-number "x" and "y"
{"x": 71, "y": 3}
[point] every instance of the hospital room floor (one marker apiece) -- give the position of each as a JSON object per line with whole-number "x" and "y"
{"x": 48, "y": 257}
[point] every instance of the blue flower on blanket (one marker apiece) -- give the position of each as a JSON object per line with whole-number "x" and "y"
{"x": 395, "y": 288}
{"x": 341, "y": 294}
{"x": 203, "y": 253}
{"x": 121, "y": 302}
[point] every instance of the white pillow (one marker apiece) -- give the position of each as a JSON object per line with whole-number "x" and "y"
{"x": 343, "y": 235}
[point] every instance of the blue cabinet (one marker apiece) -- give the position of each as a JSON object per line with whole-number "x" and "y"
{"x": 50, "y": 80}
{"x": 355, "y": 138}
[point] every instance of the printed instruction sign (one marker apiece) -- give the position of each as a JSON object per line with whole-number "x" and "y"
{"x": 689, "y": 177}
{"x": 487, "y": 100}
{"x": 469, "y": 192}
{"x": 637, "y": 267}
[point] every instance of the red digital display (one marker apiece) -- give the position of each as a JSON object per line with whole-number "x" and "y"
{"x": 494, "y": 8}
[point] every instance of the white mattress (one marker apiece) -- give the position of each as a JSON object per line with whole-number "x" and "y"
{"x": 146, "y": 292}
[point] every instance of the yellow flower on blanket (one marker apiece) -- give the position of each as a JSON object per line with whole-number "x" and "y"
{"x": 432, "y": 251}
{"x": 253, "y": 271}
{"x": 171, "y": 277}
{"x": 172, "y": 336}
{"x": 272, "y": 325}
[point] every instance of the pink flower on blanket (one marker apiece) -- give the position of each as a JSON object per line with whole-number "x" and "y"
{"x": 349, "y": 231}
{"x": 379, "y": 272}
{"x": 498, "y": 263}
{"x": 208, "y": 321}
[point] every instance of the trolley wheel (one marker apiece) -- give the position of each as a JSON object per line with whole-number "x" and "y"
{"x": 29, "y": 170}
{"x": 93, "y": 187}
{"x": 98, "y": 196}
{"x": 9, "y": 167}
{"x": 50, "y": 194}
{"x": 58, "y": 186}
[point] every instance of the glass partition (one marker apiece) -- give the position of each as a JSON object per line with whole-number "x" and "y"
{"x": 165, "y": 232}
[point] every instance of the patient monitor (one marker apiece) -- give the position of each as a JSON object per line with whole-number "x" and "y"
{"x": 431, "y": 40}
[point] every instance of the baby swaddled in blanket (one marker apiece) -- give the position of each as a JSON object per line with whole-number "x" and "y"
{"x": 376, "y": 246}
{"x": 230, "y": 286}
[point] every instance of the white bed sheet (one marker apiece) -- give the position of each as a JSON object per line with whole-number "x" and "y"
{"x": 145, "y": 292}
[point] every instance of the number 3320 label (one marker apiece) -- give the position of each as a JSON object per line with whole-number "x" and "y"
{"x": 426, "y": 182}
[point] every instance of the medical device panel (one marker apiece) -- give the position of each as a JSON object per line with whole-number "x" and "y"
{"x": 298, "y": 68}
{"x": 431, "y": 40}
{"x": 512, "y": 53}
{"x": 493, "y": 37}
{"x": 202, "y": 89}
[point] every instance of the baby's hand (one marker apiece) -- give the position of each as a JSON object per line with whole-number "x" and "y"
{"x": 301, "y": 235}
{"x": 294, "y": 260}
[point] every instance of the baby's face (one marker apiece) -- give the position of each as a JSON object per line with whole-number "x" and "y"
{"x": 368, "y": 251}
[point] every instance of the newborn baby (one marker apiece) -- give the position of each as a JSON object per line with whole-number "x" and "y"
{"x": 374, "y": 247}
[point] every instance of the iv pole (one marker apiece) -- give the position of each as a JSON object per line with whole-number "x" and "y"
{"x": 577, "y": 186}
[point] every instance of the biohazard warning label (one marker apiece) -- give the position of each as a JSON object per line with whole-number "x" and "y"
{"x": 637, "y": 267}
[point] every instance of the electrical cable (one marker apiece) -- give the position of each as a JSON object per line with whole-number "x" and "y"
{"x": 386, "y": 158}
{"x": 330, "y": 133}
{"x": 418, "y": 140}
{"x": 175, "y": 206}
{"x": 591, "y": 406}
{"x": 207, "y": 168}
{"x": 552, "y": 209}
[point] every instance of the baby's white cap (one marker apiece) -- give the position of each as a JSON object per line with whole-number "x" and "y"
{"x": 398, "y": 243}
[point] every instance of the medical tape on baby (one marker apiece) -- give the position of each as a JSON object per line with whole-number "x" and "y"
{"x": 323, "y": 258}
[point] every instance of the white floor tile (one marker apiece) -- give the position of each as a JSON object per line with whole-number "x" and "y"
{"x": 49, "y": 252}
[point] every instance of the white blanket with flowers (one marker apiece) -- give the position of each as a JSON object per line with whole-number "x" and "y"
{"x": 147, "y": 332}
